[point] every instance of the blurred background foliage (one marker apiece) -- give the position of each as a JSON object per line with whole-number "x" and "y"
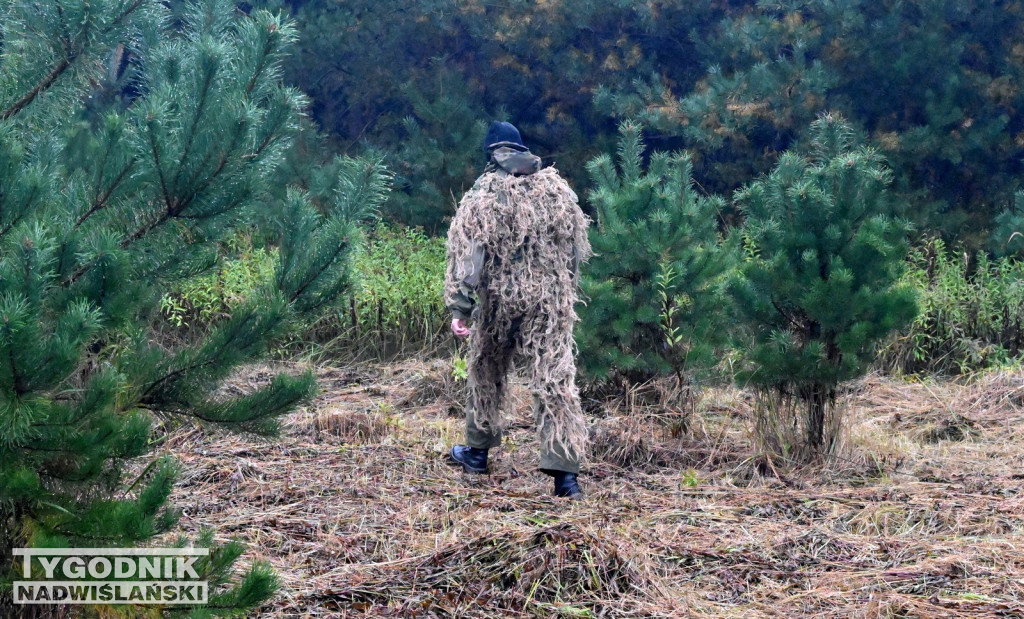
{"x": 933, "y": 85}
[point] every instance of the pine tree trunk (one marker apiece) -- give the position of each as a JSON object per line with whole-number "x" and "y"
{"x": 815, "y": 421}
{"x": 818, "y": 399}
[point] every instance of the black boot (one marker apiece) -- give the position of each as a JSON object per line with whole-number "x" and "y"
{"x": 565, "y": 484}
{"x": 473, "y": 460}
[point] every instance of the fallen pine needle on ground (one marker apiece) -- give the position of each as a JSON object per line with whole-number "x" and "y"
{"x": 920, "y": 515}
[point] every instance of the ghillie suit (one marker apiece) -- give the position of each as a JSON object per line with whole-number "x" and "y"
{"x": 515, "y": 244}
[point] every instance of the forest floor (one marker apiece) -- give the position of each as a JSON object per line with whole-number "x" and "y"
{"x": 922, "y": 515}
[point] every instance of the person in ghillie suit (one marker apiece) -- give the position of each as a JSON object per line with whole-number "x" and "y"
{"x": 514, "y": 250}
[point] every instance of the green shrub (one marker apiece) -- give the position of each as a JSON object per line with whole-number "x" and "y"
{"x": 1007, "y": 237}
{"x": 971, "y": 313}
{"x": 198, "y": 302}
{"x": 401, "y": 280}
{"x": 397, "y": 304}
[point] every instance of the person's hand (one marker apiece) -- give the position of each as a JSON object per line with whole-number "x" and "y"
{"x": 459, "y": 327}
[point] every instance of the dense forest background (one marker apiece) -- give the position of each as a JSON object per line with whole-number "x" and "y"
{"x": 934, "y": 86}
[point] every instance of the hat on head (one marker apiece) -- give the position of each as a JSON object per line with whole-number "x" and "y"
{"x": 504, "y": 134}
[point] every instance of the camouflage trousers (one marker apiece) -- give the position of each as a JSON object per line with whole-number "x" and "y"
{"x": 551, "y": 369}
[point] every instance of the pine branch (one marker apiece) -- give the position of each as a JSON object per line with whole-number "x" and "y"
{"x": 160, "y": 170}
{"x": 204, "y": 92}
{"x": 43, "y": 85}
{"x": 100, "y": 201}
{"x": 18, "y": 383}
{"x": 796, "y": 325}
{"x": 170, "y": 376}
{"x": 320, "y": 271}
{"x": 175, "y": 209}
{"x": 70, "y": 56}
{"x": 28, "y": 200}
{"x": 261, "y": 65}
{"x": 221, "y": 165}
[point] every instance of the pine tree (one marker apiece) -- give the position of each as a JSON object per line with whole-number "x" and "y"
{"x": 653, "y": 286}
{"x": 818, "y": 284}
{"x": 439, "y": 156}
{"x": 130, "y": 145}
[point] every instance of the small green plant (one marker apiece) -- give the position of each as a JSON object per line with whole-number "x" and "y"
{"x": 460, "y": 368}
{"x": 670, "y": 305}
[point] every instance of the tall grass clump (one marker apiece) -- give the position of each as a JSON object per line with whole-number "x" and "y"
{"x": 971, "y": 313}
{"x": 397, "y": 304}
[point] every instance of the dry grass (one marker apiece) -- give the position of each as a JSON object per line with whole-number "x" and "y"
{"x": 921, "y": 514}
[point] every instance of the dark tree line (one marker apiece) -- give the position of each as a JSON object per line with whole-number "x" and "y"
{"x": 934, "y": 86}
